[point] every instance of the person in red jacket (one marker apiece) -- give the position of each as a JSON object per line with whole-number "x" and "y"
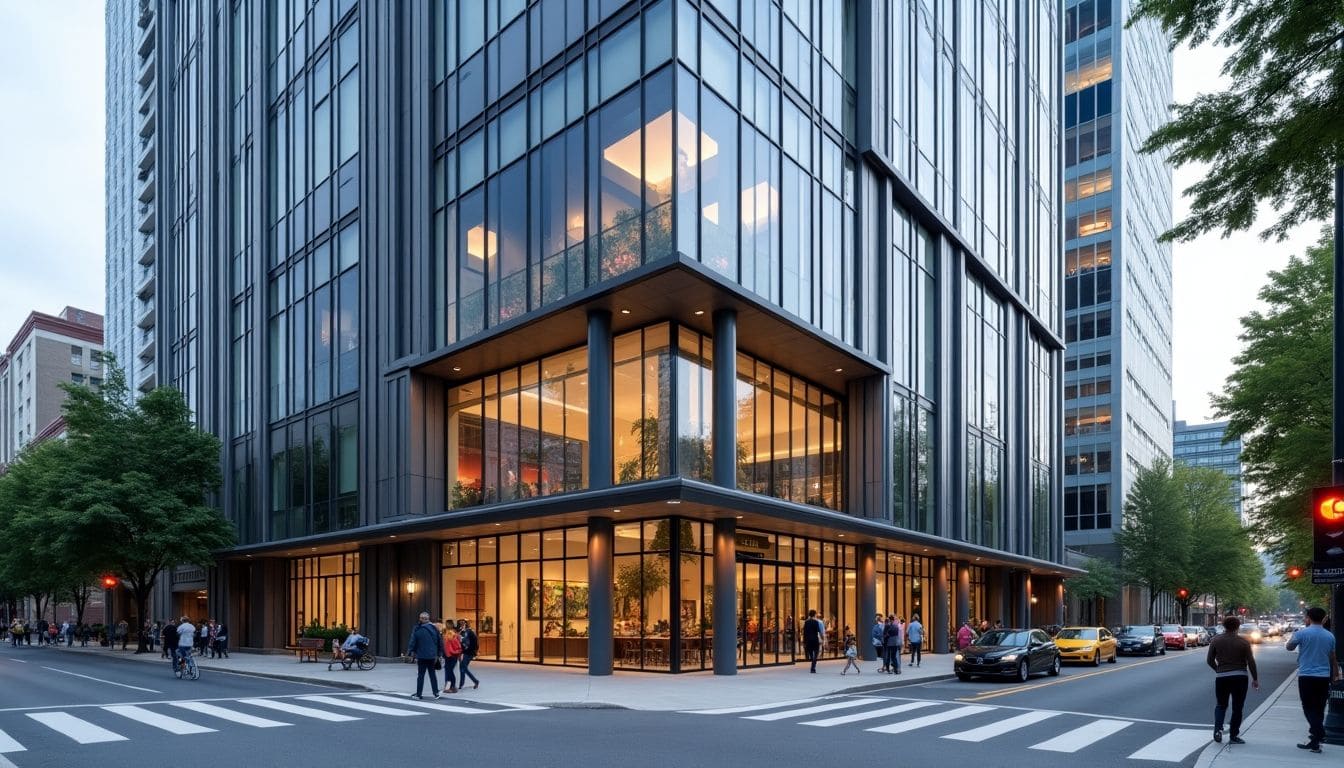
{"x": 452, "y": 651}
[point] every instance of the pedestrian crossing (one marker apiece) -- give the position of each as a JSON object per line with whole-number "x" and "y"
{"x": 99, "y": 724}
{"x": 1036, "y": 731}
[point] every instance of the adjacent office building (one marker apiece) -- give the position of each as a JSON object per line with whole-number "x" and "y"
{"x": 1207, "y": 445}
{"x": 1117, "y": 288}
{"x": 629, "y": 330}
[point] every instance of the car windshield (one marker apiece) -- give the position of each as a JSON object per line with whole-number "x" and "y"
{"x": 1144, "y": 631}
{"x": 1003, "y": 637}
{"x": 1192, "y": 630}
{"x": 1077, "y": 634}
{"x": 1172, "y": 628}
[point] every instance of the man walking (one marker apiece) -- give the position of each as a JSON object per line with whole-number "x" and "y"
{"x": 814, "y": 632}
{"x": 878, "y": 628}
{"x": 470, "y": 647}
{"x": 891, "y": 641}
{"x": 426, "y": 645}
{"x": 914, "y": 634}
{"x": 1233, "y": 668}
{"x": 1316, "y": 667}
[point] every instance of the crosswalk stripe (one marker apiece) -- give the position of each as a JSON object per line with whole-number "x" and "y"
{"x": 431, "y": 704}
{"x": 227, "y": 714}
{"x": 1083, "y": 736}
{"x": 160, "y": 721}
{"x": 843, "y": 704}
{"x": 81, "y": 731}
{"x": 752, "y": 707}
{"x": 372, "y": 709}
{"x": 843, "y": 719}
{"x": 8, "y": 744}
{"x": 1173, "y": 746}
{"x": 295, "y": 709}
{"x": 927, "y": 720}
{"x": 1001, "y": 727}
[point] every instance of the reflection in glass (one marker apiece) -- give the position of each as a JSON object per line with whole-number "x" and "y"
{"x": 789, "y": 436}
{"x": 641, "y": 388}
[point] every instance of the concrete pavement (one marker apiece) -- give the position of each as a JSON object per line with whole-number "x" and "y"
{"x": 1272, "y": 733}
{"x": 571, "y": 687}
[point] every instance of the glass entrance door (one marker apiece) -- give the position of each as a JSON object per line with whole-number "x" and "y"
{"x": 767, "y": 624}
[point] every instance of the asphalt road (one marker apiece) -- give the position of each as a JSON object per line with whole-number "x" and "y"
{"x": 67, "y": 709}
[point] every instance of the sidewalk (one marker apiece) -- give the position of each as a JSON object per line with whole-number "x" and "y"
{"x": 570, "y": 687}
{"x": 1272, "y": 733}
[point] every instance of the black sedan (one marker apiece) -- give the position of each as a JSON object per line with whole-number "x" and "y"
{"x": 1015, "y": 653}
{"x": 1140, "y": 639}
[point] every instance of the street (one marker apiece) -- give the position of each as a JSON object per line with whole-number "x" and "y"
{"x": 70, "y": 708}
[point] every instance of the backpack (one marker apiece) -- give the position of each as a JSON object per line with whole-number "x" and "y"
{"x": 468, "y": 639}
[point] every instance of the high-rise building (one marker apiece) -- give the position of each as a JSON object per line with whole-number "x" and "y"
{"x": 1207, "y": 445}
{"x": 488, "y": 299}
{"x": 1117, "y": 288}
{"x": 132, "y": 188}
{"x": 47, "y": 350}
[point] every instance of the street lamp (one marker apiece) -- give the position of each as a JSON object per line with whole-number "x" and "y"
{"x": 411, "y": 586}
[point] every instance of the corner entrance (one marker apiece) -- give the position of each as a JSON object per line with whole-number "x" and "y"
{"x": 768, "y": 621}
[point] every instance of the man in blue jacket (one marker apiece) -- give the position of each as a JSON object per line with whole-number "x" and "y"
{"x": 426, "y": 646}
{"x": 879, "y": 628}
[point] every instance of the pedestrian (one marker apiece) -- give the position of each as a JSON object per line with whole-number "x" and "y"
{"x": 186, "y": 633}
{"x": 965, "y": 635}
{"x": 914, "y": 635}
{"x": 222, "y": 640}
{"x": 41, "y": 632}
{"x": 851, "y": 657}
{"x": 471, "y": 645}
{"x": 203, "y": 637}
{"x": 123, "y": 629}
{"x": 876, "y": 638}
{"x": 84, "y": 632}
{"x": 170, "y": 640}
{"x": 1233, "y": 665}
{"x": 891, "y": 644}
{"x": 426, "y": 646}
{"x": 1317, "y": 665}
{"x": 452, "y": 651}
{"x": 814, "y": 634}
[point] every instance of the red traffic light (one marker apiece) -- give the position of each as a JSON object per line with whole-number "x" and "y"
{"x": 109, "y": 582}
{"x": 1330, "y": 507}
{"x": 1294, "y": 572}
{"x": 1182, "y": 593}
{"x": 1242, "y": 611}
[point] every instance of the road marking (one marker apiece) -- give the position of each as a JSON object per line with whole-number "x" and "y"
{"x": 8, "y": 744}
{"x": 162, "y": 722}
{"x": 752, "y": 707}
{"x": 1174, "y": 746}
{"x": 1089, "y": 734}
{"x": 431, "y": 704}
{"x": 81, "y": 731}
{"x": 1023, "y": 688}
{"x": 100, "y": 680}
{"x": 927, "y": 720}
{"x": 227, "y": 714}
{"x": 295, "y": 709}
{"x": 18, "y": 661}
{"x": 827, "y": 723}
{"x": 361, "y": 706}
{"x": 1001, "y": 727}
{"x": 846, "y": 704}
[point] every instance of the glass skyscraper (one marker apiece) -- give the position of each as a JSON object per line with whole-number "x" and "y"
{"x": 1117, "y": 288}
{"x": 629, "y": 330}
{"x": 1207, "y": 445}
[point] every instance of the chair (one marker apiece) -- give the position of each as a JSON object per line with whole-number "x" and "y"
{"x": 631, "y": 657}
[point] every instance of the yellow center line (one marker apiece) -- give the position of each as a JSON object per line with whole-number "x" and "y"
{"x": 1022, "y": 689}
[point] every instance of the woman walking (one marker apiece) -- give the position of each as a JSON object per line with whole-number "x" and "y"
{"x": 452, "y": 651}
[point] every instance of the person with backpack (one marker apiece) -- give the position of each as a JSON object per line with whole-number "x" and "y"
{"x": 471, "y": 645}
{"x": 814, "y": 634}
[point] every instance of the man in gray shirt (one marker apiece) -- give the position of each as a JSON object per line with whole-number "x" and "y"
{"x": 1233, "y": 664}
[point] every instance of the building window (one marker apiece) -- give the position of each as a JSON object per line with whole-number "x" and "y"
{"x": 323, "y": 591}
{"x": 985, "y": 379}
{"x": 1087, "y": 420}
{"x": 1086, "y": 185}
{"x": 76, "y": 356}
{"x": 1089, "y": 460}
{"x": 1087, "y": 388}
{"x": 77, "y": 379}
{"x": 1087, "y": 223}
{"x": 1086, "y": 18}
{"x": 1090, "y": 325}
{"x": 642, "y": 409}
{"x": 1087, "y": 508}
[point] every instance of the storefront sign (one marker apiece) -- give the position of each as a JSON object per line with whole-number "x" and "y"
{"x": 752, "y": 541}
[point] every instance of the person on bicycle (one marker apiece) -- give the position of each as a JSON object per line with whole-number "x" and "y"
{"x": 186, "y": 634}
{"x": 353, "y": 646}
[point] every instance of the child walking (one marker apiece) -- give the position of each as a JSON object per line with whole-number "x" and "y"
{"x": 851, "y": 657}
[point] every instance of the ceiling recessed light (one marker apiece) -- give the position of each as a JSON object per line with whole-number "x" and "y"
{"x": 498, "y": 524}
{"x": 739, "y": 517}
{"x": 395, "y": 536}
{"x": 926, "y": 549}
{"x": 699, "y": 312}
{"x": 314, "y": 549}
{"x": 456, "y": 368}
{"x": 839, "y": 370}
{"x": 625, "y": 311}
{"x": 617, "y": 511}
{"x": 842, "y": 535}
{"x": 674, "y": 501}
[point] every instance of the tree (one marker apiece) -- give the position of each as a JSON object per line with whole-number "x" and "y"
{"x": 1278, "y": 401}
{"x": 1100, "y": 581}
{"x": 1277, "y": 132}
{"x": 32, "y": 562}
{"x": 138, "y": 480}
{"x": 1218, "y": 544}
{"x": 1154, "y": 537}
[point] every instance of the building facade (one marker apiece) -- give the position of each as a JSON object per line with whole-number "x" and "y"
{"x": 628, "y": 330}
{"x": 1207, "y": 445}
{"x": 1117, "y": 288}
{"x": 47, "y": 351}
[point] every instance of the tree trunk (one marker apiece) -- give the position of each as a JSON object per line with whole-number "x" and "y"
{"x": 141, "y": 602}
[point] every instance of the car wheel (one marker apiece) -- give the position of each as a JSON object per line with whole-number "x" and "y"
{"x": 1115, "y": 656}
{"x": 1023, "y": 672}
{"x": 1096, "y": 658}
{"x": 1164, "y": 650}
{"x": 963, "y": 677}
{"x": 1054, "y": 667}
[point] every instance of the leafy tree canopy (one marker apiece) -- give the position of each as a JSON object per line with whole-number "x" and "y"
{"x": 1276, "y": 133}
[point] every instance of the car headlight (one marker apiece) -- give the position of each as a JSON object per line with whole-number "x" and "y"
{"x": 1009, "y": 657}
{"x": 1087, "y": 647}
{"x": 958, "y": 657}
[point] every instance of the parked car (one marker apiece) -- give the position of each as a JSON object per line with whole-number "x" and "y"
{"x": 1086, "y": 644}
{"x": 1174, "y": 636}
{"x": 1191, "y": 635}
{"x": 1145, "y": 639}
{"x": 1015, "y": 653}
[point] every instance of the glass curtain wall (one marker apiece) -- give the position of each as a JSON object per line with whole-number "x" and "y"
{"x": 323, "y": 591}
{"x": 641, "y": 408}
{"x": 644, "y": 572}
{"x": 914, "y": 373}
{"x": 985, "y": 382}
{"x": 525, "y": 594}
{"x": 904, "y": 586}
{"x": 779, "y": 579}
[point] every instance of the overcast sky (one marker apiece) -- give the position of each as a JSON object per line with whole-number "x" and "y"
{"x": 51, "y": 196}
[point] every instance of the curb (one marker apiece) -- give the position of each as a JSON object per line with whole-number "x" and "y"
{"x": 893, "y": 684}
{"x": 1214, "y": 750}
{"x": 263, "y": 675}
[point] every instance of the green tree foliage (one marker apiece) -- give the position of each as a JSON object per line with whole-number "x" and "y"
{"x": 1101, "y": 581}
{"x": 1154, "y": 537}
{"x": 1221, "y": 559}
{"x": 1276, "y": 132}
{"x": 1278, "y": 401}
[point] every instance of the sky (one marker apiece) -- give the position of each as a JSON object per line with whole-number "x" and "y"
{"x": 52, "y": 211}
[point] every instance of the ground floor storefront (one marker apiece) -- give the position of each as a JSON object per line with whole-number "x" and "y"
{"x": 660, "y": 594}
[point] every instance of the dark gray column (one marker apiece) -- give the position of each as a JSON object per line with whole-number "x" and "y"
{"x": 600, "y": 544}
{"x": 725, "y": 398}
{"x": 599, "y": 399}
{"x": 1026, "y": 595}
{"x": 963, "y": 605}
{"x": 725, "y": 596}
{"x": 1059, "y": 602}
{"x": 867, "y": 595}
{"x": 936, "y": 626}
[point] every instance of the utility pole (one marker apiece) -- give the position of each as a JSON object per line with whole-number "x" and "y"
{"x": 1334, "y": 713}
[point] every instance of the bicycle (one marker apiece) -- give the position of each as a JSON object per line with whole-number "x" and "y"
{"x": 360, "y": 657}
{"x": 185, "y": 665}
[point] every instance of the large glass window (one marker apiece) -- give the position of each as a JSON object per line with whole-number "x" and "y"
{"x": 642, "y": 411}
{"x": 323, "y": 591}
{"x": 790, "y": 436}
{"x": 985, "y": 382}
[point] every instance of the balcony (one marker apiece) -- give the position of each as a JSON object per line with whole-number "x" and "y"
{"x": 146, "y": 153}
{"x": 147, "y": 376}
{"x": 148, "y": 123}
{"x": 147, "y": 249}
{"x": 146, "y": 313}
{"x": 146, "y": 14}
{"x": 147, "y": 103}
{"x": 146, "y": 342}
{"x": 148, "y": 185}
{"x": 147, "y": 34}
{"x": 146, "y": 217}
{"x": 147, "y": 69}
{"x": 144, "y": 288}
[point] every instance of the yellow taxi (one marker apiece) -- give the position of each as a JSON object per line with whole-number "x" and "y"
{"x": 1086, "y": 644}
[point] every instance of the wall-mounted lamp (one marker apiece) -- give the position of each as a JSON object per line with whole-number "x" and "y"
{"x": 1033, "y": 599}
{"x": 411, "y": 586}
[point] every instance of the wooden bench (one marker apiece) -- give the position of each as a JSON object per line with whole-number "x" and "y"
{"x": 307, "y": 648}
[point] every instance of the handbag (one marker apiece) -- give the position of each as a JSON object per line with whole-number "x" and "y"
{"x": 438, "y": 664}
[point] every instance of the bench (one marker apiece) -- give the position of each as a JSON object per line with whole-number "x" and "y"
{"x": 307, "y": 648}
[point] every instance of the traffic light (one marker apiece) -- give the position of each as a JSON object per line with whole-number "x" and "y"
{"x": 1182, "y": 593}
{"x": 109, "y": 582}
{"x": 1294, "y": 572}
{"x": 1328, "y": 535}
